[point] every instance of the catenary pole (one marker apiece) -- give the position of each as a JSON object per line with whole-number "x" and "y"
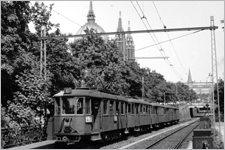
{"x": 214, "y": 69}
{"x": 134, "y": 32}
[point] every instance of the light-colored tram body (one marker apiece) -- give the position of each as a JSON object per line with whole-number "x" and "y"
{"x": 88, "y": 114}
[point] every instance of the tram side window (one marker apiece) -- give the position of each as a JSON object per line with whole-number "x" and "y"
{"x": 150, "y": 110}
{"x": 161, "y": 111}
{"x": 57, "y": 106}
{"x": 111, "y": 107}
{"x": 153, "y": 110}
{"x": 129, "y": 108}
{"x": 68, "y": 106}
{"x": 88, "y": 105}
{"x": 80, "y": 105}
{"x": 147, "y": 109}
{"x": 122, "y": 107}
{"x": 117, "y": 107}
{"x": 137, "y": 109}
{"x": 132, "y": 108}
{"x": 144, "y": 109}
{"x": 105, "y": 102}
{"x": 141, "y": 110}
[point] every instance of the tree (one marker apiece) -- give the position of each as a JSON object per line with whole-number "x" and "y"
{"x": 30, "y": 101}
{"x": 15, "y": 41}
{"x": 100, "y": 63}
{"x": 24, "y": 92}
{"x": 221, "y": 97}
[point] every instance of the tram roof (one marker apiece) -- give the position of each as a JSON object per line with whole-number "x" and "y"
{"x": 89, "y": 93}
{"x": 132, "y": 100}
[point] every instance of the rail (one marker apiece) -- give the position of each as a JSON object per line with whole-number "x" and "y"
{"x": 180, "y": 142}
{"x": 12, "y": 137}
{"x": 183, "y": 139}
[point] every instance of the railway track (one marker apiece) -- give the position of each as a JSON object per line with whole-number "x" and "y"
{"x": 175, "y": 139}
{"x": 124, "y": 142}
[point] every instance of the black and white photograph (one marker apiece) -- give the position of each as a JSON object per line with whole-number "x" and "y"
{"x": 112, "y": 74}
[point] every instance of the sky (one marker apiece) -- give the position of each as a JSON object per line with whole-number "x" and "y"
{"x": 189, "y": 52}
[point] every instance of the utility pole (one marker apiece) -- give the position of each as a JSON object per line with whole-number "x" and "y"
{"x": 176, "y": 92}
{"x": 164, "y": 96}
{"x": 43, "y": 62}
{"x": 43, "y": 50}
{"x": 142, "y": 81}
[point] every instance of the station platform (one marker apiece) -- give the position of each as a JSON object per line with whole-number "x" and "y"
{"x": 49, "y": 144}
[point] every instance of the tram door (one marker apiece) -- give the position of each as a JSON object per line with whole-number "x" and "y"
{"x": 118, "y": 114}
{"x": 137, "y": 114}
{"x": 96, "y": 113}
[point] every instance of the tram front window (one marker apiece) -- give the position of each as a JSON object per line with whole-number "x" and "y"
{"x": 57, "y": 106}
{"x": 68, "y": 106}
{"x": 80, "y": 105}
{"x": 74, "y": 105}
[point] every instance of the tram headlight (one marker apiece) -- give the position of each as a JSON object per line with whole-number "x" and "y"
{"x": 88, "y": 119}
{"x": 65, "y": 138}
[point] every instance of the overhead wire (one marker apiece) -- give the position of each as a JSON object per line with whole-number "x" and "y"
{"x": 169, "y": 37}
{"x": 159, "y": 15}
{"x": 168, "y": 40}
{"x": 161, "y": 49}
{"x": 156, "y": 43}
{"x": 64, "y": 16}
{"x": 147, "y": 28}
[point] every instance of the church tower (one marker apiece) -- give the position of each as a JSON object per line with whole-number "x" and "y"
{"x": 189, "y": 81}
{"x": 130, "y": 46}
{"x": 120, "y": 38}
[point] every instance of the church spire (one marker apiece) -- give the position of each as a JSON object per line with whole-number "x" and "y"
{"x": 189, "y": 77}
{"x": 129, "y": 35}
{"x": 91, "y": 14}
{"x": 120, "y": 28}
{"x": 130, "y": 45}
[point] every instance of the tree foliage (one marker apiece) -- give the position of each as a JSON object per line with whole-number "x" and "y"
{"x": 221, "y": 98}
{"x": 100, "y": 63}
{"x": 22, "y": 86}
{"x": 89, "y": 61}
{"x": 14, "y": 44}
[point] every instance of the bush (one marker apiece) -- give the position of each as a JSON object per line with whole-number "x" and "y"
{"x": 218, "y": 140}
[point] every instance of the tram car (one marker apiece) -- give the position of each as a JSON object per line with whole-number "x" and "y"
{"x": 88, "y": 114}
{"x": 199, "y": 111}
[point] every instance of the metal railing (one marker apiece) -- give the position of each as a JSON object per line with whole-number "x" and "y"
{"x": 12, "y": 137}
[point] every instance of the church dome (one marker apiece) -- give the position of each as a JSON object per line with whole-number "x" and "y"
{"x": 91, "y": 24}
